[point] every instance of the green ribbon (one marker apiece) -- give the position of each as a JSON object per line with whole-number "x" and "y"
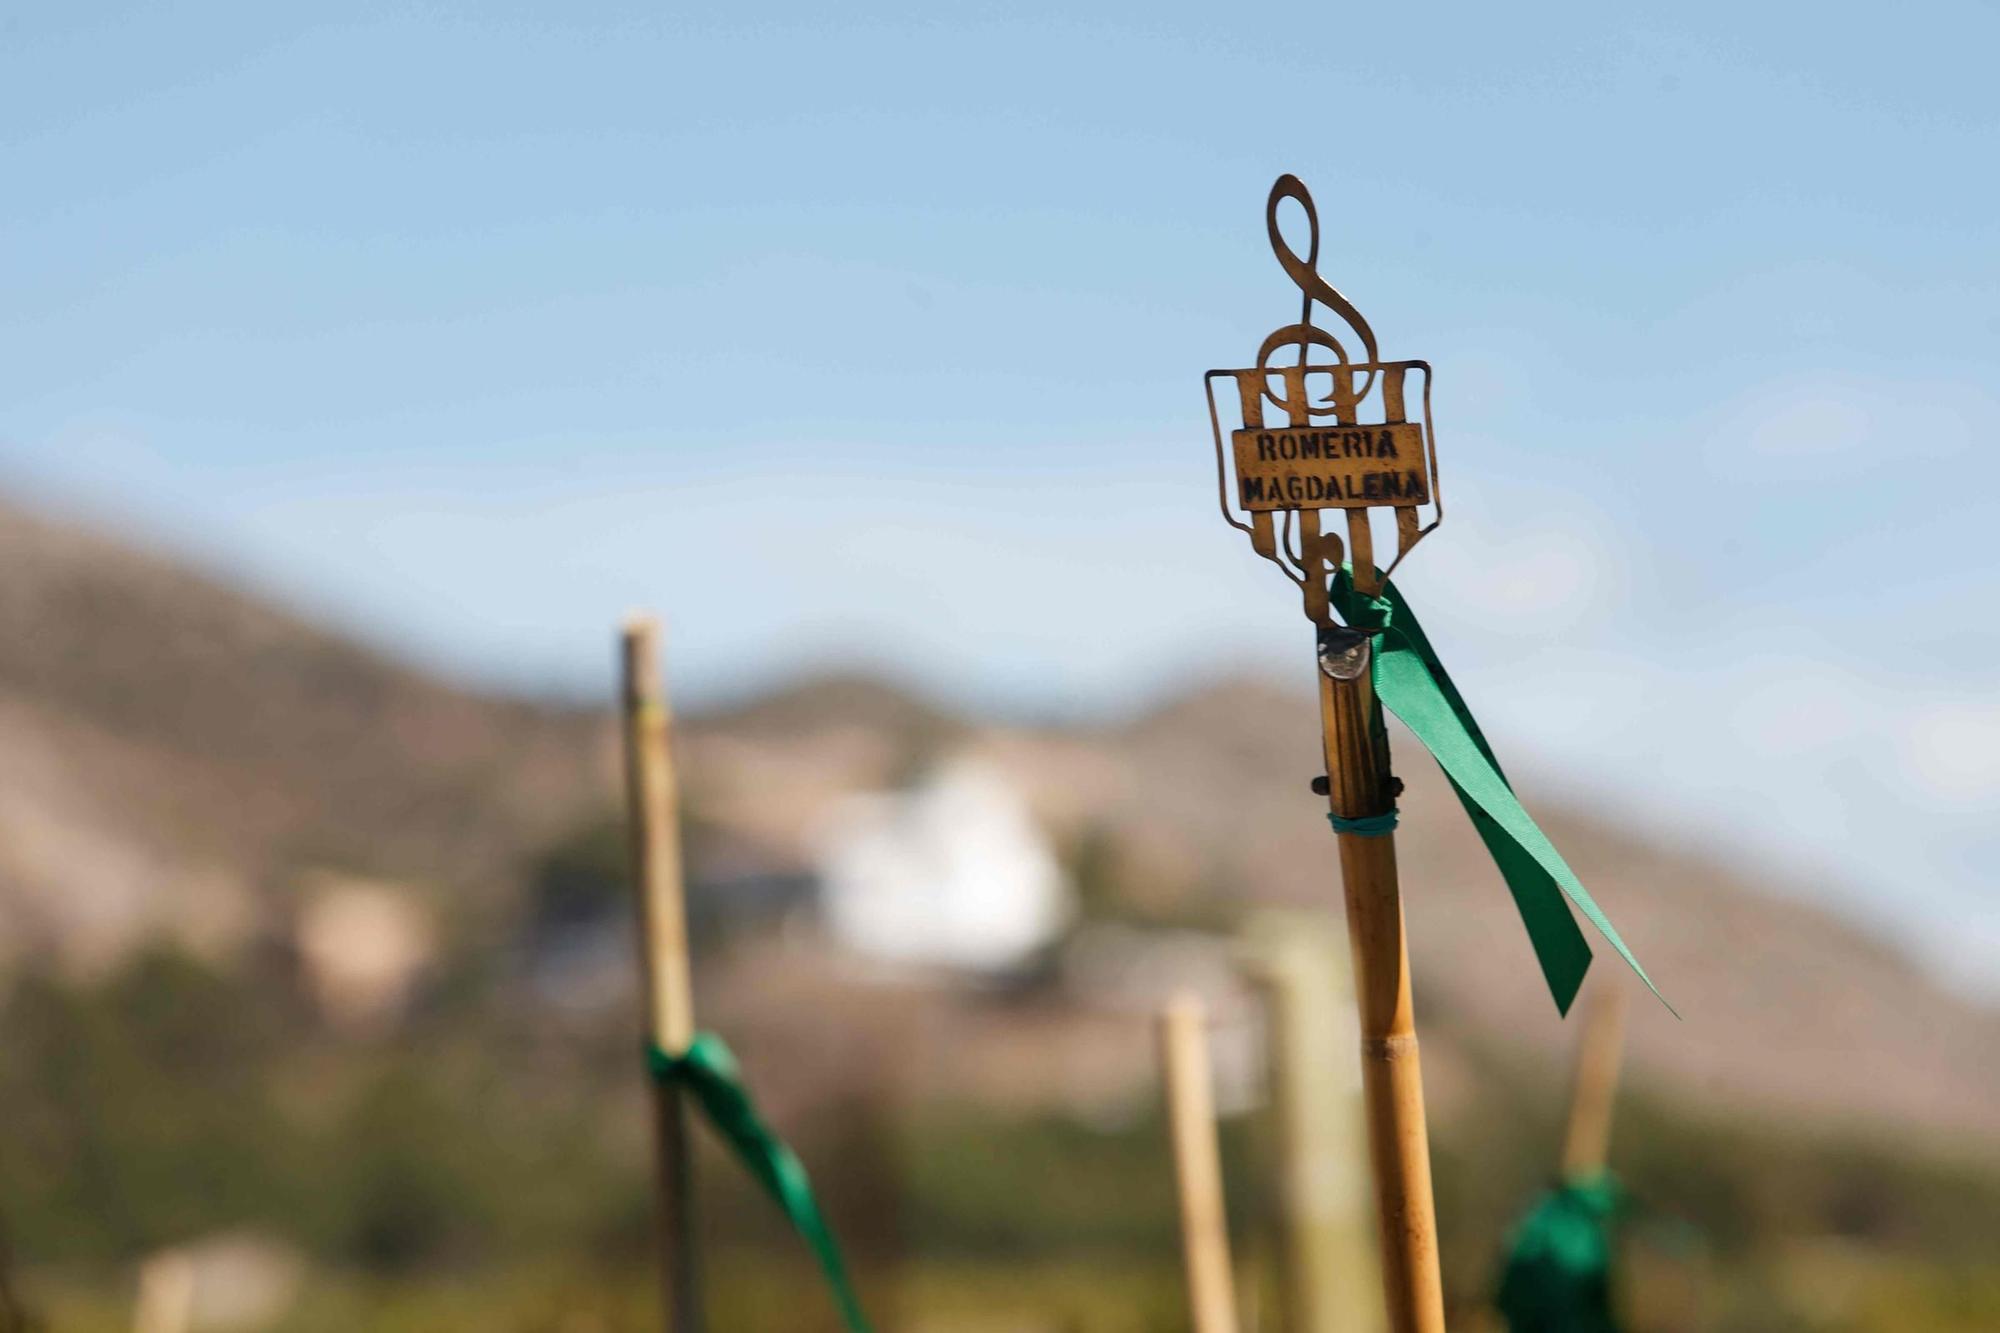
{"x": 709, "y": 1073}
{"x": 1412, "y": 684}
{"x": 1557, "y": 1277}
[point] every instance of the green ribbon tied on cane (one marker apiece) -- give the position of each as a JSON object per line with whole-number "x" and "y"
{"x": 1557, "y": 1277}
{"x": 1412, "y": 684}
{"x": 707, "y": 1071}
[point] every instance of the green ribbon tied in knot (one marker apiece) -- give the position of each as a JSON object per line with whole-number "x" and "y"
{"x": 1557, "y": 1278}
{"x": 707, "y": 1071}
{"x": 1412, "y": 684}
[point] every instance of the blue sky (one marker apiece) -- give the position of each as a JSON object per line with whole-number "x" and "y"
{"x": 875, "y": 334}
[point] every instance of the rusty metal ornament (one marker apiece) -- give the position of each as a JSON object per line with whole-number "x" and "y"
{"x": 1352, "y": 447}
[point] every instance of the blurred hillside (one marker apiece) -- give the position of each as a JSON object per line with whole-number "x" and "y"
{"x": 177, "y": 752}
{"x": 210, "y": 811}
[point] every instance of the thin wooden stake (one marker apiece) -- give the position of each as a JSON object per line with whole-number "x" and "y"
{"x": 652, "y": 815}
{"x": 1587, "y": 1144}
{"x": 1326, "y": 1230}
{"x": 1197, "y": 1165}
{"x": 1359, "y": 786}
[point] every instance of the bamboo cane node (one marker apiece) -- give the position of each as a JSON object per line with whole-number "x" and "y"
{"x": 1390, "y": 1048}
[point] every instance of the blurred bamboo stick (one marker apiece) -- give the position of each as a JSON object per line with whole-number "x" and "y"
{"x": 1328, "y": 1262}
{"x": 1197, "y": 1165}
{"x": 1587, "y": 1142}
{"x": 663, "y": 949}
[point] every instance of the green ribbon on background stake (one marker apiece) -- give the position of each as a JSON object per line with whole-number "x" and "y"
{"x": 1557, "y": 1277}
{"x": 1412, "y": 684}
{"x": 708, "y": 1071}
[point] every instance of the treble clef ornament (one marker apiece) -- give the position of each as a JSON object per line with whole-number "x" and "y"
{"x": 1327, "y": 431}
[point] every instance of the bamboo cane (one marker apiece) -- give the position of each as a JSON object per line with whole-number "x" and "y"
{"x": 1359, "y": 786}
{"x": 1211, "y": 1282}
{"x": 1587, "y": 1143}
{"x": 663, "y": 952}
{"x": 1326, "y": 1236}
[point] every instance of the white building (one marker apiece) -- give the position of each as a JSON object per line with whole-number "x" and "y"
{"x": 952, "y": 873}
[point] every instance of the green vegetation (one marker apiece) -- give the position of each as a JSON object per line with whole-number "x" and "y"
{"x": 475, "y": 1172}
{"x": 173, "y": 1100}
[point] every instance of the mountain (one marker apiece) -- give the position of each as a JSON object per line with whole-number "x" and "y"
{"x": 175, "y": 753}
{"x": 173, "y": 750}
